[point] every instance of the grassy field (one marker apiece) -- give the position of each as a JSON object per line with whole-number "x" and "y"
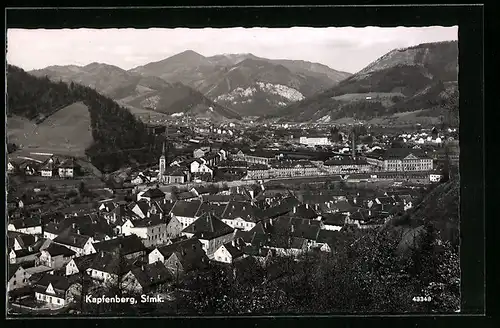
{"x": 145, "y": 115}
{"x": 66, "y": 132}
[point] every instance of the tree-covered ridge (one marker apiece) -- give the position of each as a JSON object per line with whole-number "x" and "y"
{"x": 119, "y": 137}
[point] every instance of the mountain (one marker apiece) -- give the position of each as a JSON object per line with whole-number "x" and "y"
{"x": 139, "y": 91}
{"x": 244, "y": 82}
{"x": 419, "y": 78}
{"x": 62, "y": 118}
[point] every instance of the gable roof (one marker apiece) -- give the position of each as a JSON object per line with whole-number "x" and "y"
{"x": 234, "y": 251}
{"x": 107, "y": 262}
{"x": 243, "y": 210}
{"x": 84, "y": 262}
{"x": 154, "y": 193}
{"x": 300, "y": 228}
{"x": 152, "y": 220}
{"x": 129, "y": 245}
{"x": 24, "y": 223}
{"x": 208, "y": 226}
{"x": 186, "y": 208}
{"x": 152, "y": 274}
{"x": 23, "y": 239}
{"x": 12, "y": 269}
{"x": 333, "y": 218}
{"x": 189, "y": 252}
{"x": 284, "y": 206}
{"x": 71, "y": 239}
{"x": 56, "y": 250}
{"x": 206, "y": 207}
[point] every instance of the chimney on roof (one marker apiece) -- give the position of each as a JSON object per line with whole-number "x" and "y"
{"x": 73, "y": 225}
{"x": 307, "y": 206}
{"x": 142, "y": 267}
{"x": 294, "y": 209}
{"x": 30, "y": 248}
{"x": 102, "y": 254}
{"x": 292, "y": 228}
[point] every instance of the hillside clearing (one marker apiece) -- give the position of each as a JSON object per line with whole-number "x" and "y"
{"x": 66, "y": 132}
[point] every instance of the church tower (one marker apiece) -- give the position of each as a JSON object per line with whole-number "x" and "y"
{"x": 163, "y": 165}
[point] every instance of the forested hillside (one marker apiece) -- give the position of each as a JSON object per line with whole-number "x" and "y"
{"x": 119, "y": 138}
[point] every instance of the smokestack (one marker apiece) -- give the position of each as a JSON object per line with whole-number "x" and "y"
{"x": 353, "y": 145}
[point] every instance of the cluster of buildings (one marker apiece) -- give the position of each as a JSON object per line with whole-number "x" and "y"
{"x": 62, "y": 167}
{"x": 146, "y": 245}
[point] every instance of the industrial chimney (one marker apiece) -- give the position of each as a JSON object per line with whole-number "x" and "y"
{"x": 353, "y": 145}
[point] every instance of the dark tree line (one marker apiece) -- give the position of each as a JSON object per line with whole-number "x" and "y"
{"x": 119, "y": 137}
{"x": 363, "y": 273}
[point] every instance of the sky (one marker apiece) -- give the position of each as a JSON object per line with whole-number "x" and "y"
{"x": 346, "y": 49}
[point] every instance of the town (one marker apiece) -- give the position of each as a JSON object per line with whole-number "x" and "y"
{"x": 235, "y": 195}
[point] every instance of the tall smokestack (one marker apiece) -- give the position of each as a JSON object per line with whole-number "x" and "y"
{"x": 353, "y": 145}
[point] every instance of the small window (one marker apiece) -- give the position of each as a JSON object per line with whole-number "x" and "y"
{"x": 14, "y": 282}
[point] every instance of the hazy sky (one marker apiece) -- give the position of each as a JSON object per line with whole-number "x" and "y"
{"x": 346, "y": 49}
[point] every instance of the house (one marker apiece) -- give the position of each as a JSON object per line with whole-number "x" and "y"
{"x": 138, "y": 179}
{"x": 281, "y": 244}
{"x": 211, "y": 159}
{"x": 198, "y": 153}
{"x": 211, "y": 232}
{"x": 185, "y": 211}
{"x": 327, "y": 239}
{"x": 11, "y": 167}
{"x": 130, "y": 247}
{"x": 147, "y": 278}
{"x": 290, "y": 227}
{"x": 67, "y": 168}
{"x": 435, "y": 177}
{"x": 30, "y": 226}
{"x": 176, "y": 175}
{"x": 23, "y": 255}
{"x": 230, "y": 252}
{"x": 17, "y": 277}
{"x": 79, "y": 264}
{"x": 56, "y": 256}
{"x": 105, "y": 268}
{"x": 153, "y": 194}
{"x": 181, "y": 257}
{"x": 198, "y": 166}
{"x": 241, "y": 215}
{"x": 81, "y": 245}
{"x": 57, "y": 291}
{"x": 18, "y": 240}
{"x": 333, "y": 221}
{"x": 49, "y": 167}
{"x": 29, "y": 168}
{"x": 155, "y": 230}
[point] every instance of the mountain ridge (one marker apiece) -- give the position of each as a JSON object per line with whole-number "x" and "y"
{"x": 143, "y": 91}
{"x": 398, "y": 81}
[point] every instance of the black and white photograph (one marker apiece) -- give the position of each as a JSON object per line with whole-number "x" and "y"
{"x": 232, "y": 171}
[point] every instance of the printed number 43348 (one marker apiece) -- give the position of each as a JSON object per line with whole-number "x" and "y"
{"x": 422, "y": 299}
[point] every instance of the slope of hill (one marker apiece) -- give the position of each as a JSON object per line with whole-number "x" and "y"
{"x": 67, "y": 131}
{"x": 138, "y": 91}
{"x": 404, "y": 80}
{"x": 116, "y": 137}
{"x": 235, "y": 80}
